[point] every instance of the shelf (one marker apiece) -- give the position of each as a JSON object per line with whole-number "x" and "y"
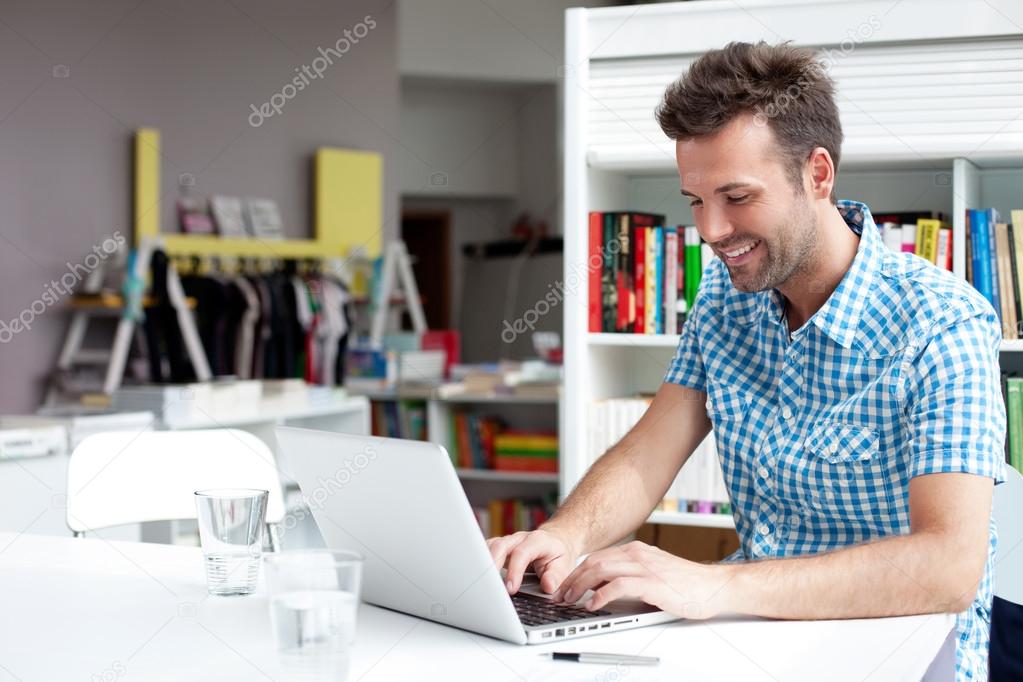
{"x": 691, "y": 519}
{"x": 637, "y": 340}
{"x": 1014, "y": 346}
{"x": 498, "y": 398}
{"x": 269, "y": 415}
{"x": 200, "y": 245}
{"x": 516, "y": 476}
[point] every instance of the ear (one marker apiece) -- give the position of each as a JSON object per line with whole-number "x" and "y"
{"x": 822, "y": 173}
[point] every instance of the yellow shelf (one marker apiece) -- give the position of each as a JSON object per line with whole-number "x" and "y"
{"x": 201, "y": 245}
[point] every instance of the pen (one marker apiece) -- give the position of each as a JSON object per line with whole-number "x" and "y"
{"x": 591, "y": 657}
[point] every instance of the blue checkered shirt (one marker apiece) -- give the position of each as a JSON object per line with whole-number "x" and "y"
{"x": 895, "y": 376}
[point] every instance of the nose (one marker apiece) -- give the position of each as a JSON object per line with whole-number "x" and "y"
{"x": 714, "y": 226}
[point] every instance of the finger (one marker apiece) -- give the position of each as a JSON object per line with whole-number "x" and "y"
{"x": 619, "y": 588}
{"x": 552, "y": 573}
{"x": 500, "y": 547}
{"x": 519, "y": 558}
{"x": 600, "y": 555}
{"x": 597, "y": 573}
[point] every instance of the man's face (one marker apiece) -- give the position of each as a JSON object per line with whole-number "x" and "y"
{"x": 741, "y": 196}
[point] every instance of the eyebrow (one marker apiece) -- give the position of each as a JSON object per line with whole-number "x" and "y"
{"x": 723, "y": 188}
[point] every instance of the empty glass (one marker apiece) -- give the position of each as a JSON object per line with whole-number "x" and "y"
{"x": 231, "y": 524}
{"x": 314, "y": 597}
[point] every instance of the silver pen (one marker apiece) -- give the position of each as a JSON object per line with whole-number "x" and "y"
{"x": 605, "y": 659}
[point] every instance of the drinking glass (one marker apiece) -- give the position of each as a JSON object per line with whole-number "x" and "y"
{"x": 314, "y": 598}
{"x": 231, "y": 524}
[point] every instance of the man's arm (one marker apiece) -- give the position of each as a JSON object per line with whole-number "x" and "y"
{"x": 936, "y": 568}
{"x": 618, "y": 492}
{"x": 622, "y": 488}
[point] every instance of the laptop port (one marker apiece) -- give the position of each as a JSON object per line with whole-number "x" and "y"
{"x": 592, "y": 627}
{"x": 571, "y": 631}
{"x": 546, "y": 635}
{"x": 560, "y": 632}
{"x": 605, "y": 625}
{"x": 622, "y": 622}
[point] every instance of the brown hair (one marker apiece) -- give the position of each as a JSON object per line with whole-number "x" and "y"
{"x": 783, "y": 86}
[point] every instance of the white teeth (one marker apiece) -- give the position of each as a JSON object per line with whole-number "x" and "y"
{"x": 739, "y": 252}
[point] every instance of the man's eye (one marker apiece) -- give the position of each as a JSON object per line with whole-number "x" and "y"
{"x": 738, "y": 200}
{"x": 695, "y": 202}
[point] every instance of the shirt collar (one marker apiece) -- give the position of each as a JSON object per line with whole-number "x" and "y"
{"x": 840, "y": 315}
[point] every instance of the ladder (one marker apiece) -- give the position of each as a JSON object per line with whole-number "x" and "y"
{"x": 397, "y": 270}
{"x": 92, "y": 303}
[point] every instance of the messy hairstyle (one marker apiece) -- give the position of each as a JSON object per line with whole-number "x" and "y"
{"x": 783, "y": 87}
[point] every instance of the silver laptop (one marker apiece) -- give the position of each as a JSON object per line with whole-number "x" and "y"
{"x": 399, "y": 503}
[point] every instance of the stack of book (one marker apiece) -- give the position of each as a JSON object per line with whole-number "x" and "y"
{"x": 699, "y": 487}
{"x": 399, "y": 419}
{"x": 925, "y": 233}
{"x": 501, "y": 517}
{"x": 642, "y": 276}
{"x": 524, "y": 451}
{"x": 472, "y": 440}
{"x": 993, "y": 250}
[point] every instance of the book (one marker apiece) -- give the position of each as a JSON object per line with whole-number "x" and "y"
{"x": 626, "y": 304}
{"x": 909, "y": 238}
{"x": 264, "y": 219}
{"x": 658, "y": 233}
{"x": 640, "y": 238}
{"x": 992, "y": 218}
{"x": 609, "y": 276}
{"x": 927, "y": 238}
{"x": 693, "y": 268}
{"x": 969, "y": 249}
{"x": 194, "y": 216}
{"x": 229, "y": 216}
{"x": 594, "y": 264}
{"x": 650, "y": 289}
{"x": 670, "y": 281}
{"x": 1014, "y": 410}
{"x": 891, "y": 234}
{"x": 1006, "y": 291}
{"x": 981, "y": 261}
{"x": 1016, "y": 247}
{"x": 945, "y": 248}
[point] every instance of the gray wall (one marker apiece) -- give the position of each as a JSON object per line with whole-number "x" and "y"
{"x": 76, "y": 79}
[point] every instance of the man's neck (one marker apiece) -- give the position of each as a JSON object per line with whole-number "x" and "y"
{"x": 836, "y": 249}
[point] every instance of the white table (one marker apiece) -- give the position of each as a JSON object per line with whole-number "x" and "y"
{"x": 96, "y": 609}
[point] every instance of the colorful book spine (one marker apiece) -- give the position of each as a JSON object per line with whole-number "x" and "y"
{"x": 945, "y": 248}
{"x": 623, "y": 276}
{"x": 609, "y": 299}
{"x": 927, "y": 239}
{"x": 1006, "y": 291}
{"x": 992, "y": 218}
{"x": 594, "y": 267}
{"x": 1014, "y": 408}
{"x": 908, "y": 238}
{"x": 670, "y": 279}
{"x": 640, "y": 236}
{"x": 650, "y": 290}
{"x": 693, "y": 268}
{"x": 658, "y": 233}
{"x": 981, "y": 259}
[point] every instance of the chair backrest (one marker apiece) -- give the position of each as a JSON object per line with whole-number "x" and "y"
{"x": 132, "y": 477}
{"x": 1008, "y": 513}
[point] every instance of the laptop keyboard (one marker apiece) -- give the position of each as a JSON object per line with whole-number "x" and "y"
{"x": 535, "y": 610}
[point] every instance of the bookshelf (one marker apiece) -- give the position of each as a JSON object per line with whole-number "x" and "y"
{"x": 930, "y": 147}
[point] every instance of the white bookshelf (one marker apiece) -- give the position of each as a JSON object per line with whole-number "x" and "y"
{"x": 949, "y": 139}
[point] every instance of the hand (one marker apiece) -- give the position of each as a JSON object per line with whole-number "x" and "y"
{"x": 639, "y": 571}
{"x": 550, "y": 554}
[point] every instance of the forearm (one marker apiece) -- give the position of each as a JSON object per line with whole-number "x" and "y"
{"x": 903, "y": 575}
{"x": 610, "y": 501}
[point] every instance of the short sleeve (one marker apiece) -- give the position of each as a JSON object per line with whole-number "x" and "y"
{"x": 955, "y": 414}
{"x": 686, "y": 368}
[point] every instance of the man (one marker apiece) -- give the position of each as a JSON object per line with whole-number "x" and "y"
{"x": 854, "y": 392}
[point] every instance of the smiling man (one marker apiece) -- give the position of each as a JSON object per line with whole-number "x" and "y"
{"x": 854, "y": 392}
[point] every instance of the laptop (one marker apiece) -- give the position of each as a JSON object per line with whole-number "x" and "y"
{"x": 400, "y": 504}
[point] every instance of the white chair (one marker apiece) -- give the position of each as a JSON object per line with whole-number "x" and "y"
{"x": 1006, "y": 660}
{"x": 1008, "y": 513}
{"x": 135, "y": 477}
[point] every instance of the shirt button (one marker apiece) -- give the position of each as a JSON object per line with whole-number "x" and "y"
{"x": 786, "y": 412}
{"x": 763, "y": 472}
{"x": 833, "y": 448}
{"x": 763, "y": 529}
